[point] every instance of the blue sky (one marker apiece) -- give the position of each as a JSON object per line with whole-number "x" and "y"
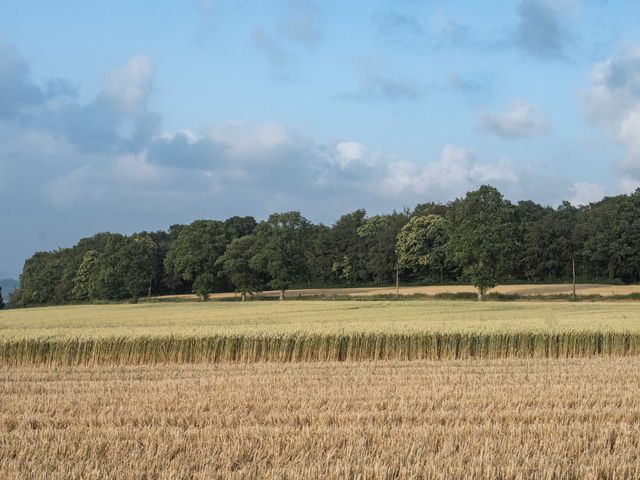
{"x": 124, "y": 116}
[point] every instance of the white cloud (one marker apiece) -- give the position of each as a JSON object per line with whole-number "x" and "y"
{"x": 135, "y": 170}
{"x": 247, "y": 140}
{"x": 520, "y": 121}
{"x": 613, "y": 102}
{"x": 628, "y": 185}
{"x": 129, "y": 86}
{"x": 349, "y": 154}
{"x": 456, "y": 172}
{"x": 583, "y": 193}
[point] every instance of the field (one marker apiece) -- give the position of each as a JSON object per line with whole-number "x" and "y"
{"x": 522, "y": 290}
{"x": 315, "y": 331}
{"x": 471, "y": 419}
{"x": 321, "y": 389}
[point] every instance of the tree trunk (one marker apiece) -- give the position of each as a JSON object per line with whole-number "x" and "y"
{"x": 243, "y": 296}
{"x": 281, "y": 295}
{"x": 150, "y": 281}
{"x": 480, "y": 294}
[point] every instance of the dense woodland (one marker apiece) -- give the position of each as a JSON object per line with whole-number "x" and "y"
{"x": 481, "y": 238}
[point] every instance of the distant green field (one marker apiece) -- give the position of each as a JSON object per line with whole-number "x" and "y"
{"x": 315, "y": 330}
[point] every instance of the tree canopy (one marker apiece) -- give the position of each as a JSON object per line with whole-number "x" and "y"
{"x": 481, "y": 238}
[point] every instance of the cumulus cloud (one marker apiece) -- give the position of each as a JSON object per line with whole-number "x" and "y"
{"x": 349, "y": 152}
{"x": 79, "y": 167}
{"x": 583, "y": 193}
{"x": 612, "y": 101}
{"x": 129, "y": 87}
{"x": 118, "y": 119}
{"x": 21, "y": 99}
{"x": 541, "y": 31}
{"x": 455, "y": 172}
{"x": 520, "y": 121}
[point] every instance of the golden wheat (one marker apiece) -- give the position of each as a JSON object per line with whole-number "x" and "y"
{"x": 315, "y": 331}
{"x": 480, "y": 419}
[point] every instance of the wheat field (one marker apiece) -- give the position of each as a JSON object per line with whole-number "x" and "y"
{"x": 523, "y": 290}
{"x": 471, "y": 419}
{"x": 315, "y": 331}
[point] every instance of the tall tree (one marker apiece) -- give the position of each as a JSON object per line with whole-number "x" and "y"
{"x": 549, "y": 243}
{"x": 484, "y": 237}
{"x": 610, "y": 231}
{"x": 83, "y": 289}
{"x": 348, "y": 253}
{"x": 236, "y": 263}
{"x": 379, "y": 235}
{"x": 282, "y": 246}
{"x": 421, "y": 246}
{"x": 195, "y": 252}
{"x": 140, "y": 254}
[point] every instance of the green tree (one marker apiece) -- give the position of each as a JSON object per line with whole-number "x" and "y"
{"x": 282, "y": 246}
{"x": 236, "y": 263}
{"x": 343, "y": 268}
{"x": 426, "y": 209}
{"x": 204, "y": 285}
{"x": 421, "y": 246}
{"x": 550, "y": 243}
{"x": 196, "y": 251}
{"x": 237, "y": 227}
{"x": 484, "y": 237}
{"x": 610, "y": 236}
{"x": 142, "y": 263}
{"x": 82, "y": 282}
{"x": 378, "y": 236}
{"x": 346, "y": 247}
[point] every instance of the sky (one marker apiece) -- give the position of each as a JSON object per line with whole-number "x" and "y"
{"x": 125, "y": 116}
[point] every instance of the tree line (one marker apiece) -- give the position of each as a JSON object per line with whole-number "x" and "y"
{"x": 481, "y": 238}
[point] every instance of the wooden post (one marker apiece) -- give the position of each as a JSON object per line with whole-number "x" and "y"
{"x": 573, "y": 266}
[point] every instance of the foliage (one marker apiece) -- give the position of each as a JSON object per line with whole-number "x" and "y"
{"x": 282, "y": 246}
{"x": 1, "y": 300}
{"x": 484, "y": 238}
{"x": 83, "y": 287}
{"x": 237, "y": 265}
{"x": 196, "y": 250}
{"x": 421, "y": 246}
{"x": 379, "y": 235}
{"x": 481, "y": 238}
{"x": 204, "y": 285}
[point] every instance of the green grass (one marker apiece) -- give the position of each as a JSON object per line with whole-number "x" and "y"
{"x": 315, "y": 331}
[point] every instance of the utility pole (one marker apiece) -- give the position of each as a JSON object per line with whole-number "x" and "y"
{"x": 573, "y": 265}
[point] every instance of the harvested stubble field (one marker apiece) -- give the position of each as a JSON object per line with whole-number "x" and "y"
{"x": 315, "y": 331}
{"x": 471, "y": 419}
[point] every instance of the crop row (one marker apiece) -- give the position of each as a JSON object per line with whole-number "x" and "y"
{"x": 300, "y": 347}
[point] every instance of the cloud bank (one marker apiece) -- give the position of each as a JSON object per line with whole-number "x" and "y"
{"x": 612, "y": 102}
